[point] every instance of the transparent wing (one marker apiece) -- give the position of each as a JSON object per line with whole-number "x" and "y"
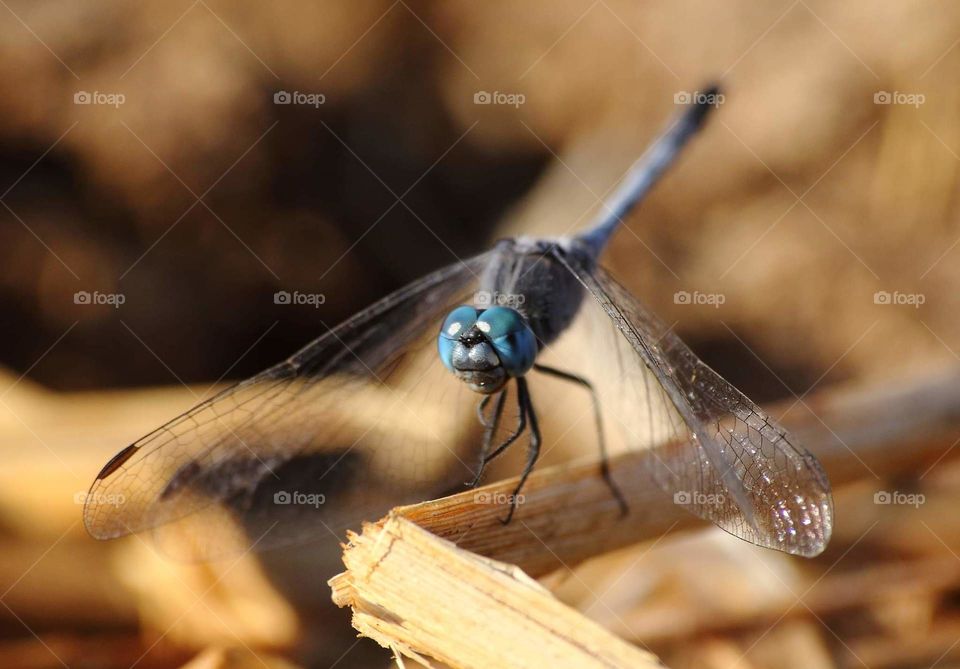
{"x": 726, "y": 460}
{"x": 361, "y": 419}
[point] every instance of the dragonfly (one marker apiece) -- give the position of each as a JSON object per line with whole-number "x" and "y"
{"x": 339, "y": 432}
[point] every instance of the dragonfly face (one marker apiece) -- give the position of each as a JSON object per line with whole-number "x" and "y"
{"x": 486, "y": 347}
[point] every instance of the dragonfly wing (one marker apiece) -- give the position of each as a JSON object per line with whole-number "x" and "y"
{"x": 342, "y": 430}
{"x": 734, "y": 466}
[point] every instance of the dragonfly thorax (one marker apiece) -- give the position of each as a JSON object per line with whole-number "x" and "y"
{"x": 533, "y": 277}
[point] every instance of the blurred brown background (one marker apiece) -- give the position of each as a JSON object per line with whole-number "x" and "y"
{"x": 143, "y": 153}
{"x": 302, "y": 197}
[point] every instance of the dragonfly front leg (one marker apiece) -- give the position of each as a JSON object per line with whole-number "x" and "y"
{"x": 489, "y": 429}
{"x": 533, "y": 450}
{"x": 482, "y": 408}
{"x": 598, "y": 417}
{"x": 485, "y": 457}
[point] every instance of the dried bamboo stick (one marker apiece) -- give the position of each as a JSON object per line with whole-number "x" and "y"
{"x": 410, "y": 590}
{"x": 568, "y": 514}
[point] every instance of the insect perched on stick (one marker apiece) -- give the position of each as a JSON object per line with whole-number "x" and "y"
{"x": 296, "y": 452}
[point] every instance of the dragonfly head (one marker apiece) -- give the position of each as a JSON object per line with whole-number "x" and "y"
{"x": 486, "y": 347}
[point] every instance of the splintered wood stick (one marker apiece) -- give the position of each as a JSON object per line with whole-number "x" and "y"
{"x": 416, "y": 593}
{"x": 466, "y": 601}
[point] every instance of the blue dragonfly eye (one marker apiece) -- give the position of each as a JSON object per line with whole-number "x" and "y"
{"x": 457, "y": 322}
{"x": 511, "y": 337}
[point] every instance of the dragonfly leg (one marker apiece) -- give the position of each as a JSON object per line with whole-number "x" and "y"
{"x": 481, "y": 410}
{"x": 598, "y": 417}
{"x": 533, "y": 450}
{"x": 486, "y": 457}
{"x": 489, "y": 429}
